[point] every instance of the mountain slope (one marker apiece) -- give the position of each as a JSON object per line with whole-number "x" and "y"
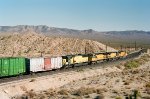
{"x": 141, "y": 37}
{"x": 35, "y": 45}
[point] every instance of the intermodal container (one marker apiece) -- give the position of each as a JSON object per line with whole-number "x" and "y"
{"x": 47, "y": 64}
{"x": 36, "y": 64}
{"x": 12, "y": 66}
{"x": 56, "y": 62}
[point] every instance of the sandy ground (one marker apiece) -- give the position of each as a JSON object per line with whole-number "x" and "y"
{"x": 108, "y": 82}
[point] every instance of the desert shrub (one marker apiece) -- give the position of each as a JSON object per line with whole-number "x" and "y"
{"x": 84, "y": 91}
{"x": 101, "y": 90}
{"x": 28, "y": 50}
{"x": 41, "y": 96}
{"x": 148, "y": 85}
{"x": 63, "y": 92}
{"x": 20, "y": 97}
{"x": 99, "y": 97}
{"x": 32, "y": 80}
{"x": 146, "y": 56}
{"x": 146, "y": 97}
{"x": 50, "y": 92}
{"x": 19, "y": 53}
{"x": 127, "y": 82}
{"x": 84, "y": 79}
{"x": 30, "y": 94}
{"x": 131, "y": 64}
{"x": 135, "y": 71}
{"x": 118, "y": 97}
{"x": 134, "y": 95}
{"x": 137, "y": 62}
{"x": 23, "y": 88}
{"x": 2, "y": 38}
{"x": 80, "y": 70}
{"x": 87, "y": 96}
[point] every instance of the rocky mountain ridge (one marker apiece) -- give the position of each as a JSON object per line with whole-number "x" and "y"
{"x": 141, "y": 37}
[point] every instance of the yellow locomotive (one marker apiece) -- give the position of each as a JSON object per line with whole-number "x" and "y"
{"x": 70, "y": 60}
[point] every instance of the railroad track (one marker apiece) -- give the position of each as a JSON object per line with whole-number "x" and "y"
{"x": 20, "y": 78}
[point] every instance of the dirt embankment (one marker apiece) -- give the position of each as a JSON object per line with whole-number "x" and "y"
{"x": 36, "y": 45}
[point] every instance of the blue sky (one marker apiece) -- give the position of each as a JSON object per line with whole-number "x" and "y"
{"x": 101, "y": 15}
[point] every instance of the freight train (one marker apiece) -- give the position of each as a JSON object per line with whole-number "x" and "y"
{"x": 21, "y": 65}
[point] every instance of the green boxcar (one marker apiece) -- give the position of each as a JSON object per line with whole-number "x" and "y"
{"x": 12, "y": 66}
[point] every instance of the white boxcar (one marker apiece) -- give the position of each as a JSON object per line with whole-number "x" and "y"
{"x": 36, "y": 64}
{"x": 56, "y": 62}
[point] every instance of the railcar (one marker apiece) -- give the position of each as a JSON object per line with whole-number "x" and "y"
{"x": 45, "y": 64}
{"x": 122, "y": 54}
{"x": 13, "y": 66}
{"x": 67, "y": 61}
{"x": 112, "y": 55}
{"x": 94, "y": 58}
{"x": 74, "y": 60}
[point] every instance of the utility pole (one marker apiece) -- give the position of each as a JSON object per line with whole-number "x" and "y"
{"x": 121, "y": 47}
{"x": 135, "y": 45}
{"x": 106, "y": 47}
{"x": 41, "y": 53}
{"x": 85, "y": 48}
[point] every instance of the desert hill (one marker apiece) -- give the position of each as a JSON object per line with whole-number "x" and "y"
{"x": 35, "y": 45}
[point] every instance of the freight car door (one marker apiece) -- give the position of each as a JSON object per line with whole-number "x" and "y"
{"x": 5, "y": 67}
{"x": 47, "y": 64}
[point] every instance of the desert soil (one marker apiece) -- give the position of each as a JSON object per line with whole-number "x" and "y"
{"x": 109, "y": 82}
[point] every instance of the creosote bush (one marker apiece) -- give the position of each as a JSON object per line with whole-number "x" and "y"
{"x": 131, "y": 64}
{"x": 63, "y": 92}
{"x": 137, "y": 62}
{"x": 84, "y": 91}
